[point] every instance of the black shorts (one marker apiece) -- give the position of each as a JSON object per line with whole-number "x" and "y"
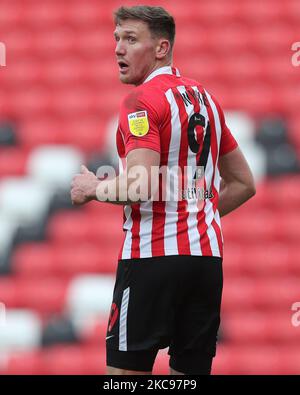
{"x": 159, "y": 302}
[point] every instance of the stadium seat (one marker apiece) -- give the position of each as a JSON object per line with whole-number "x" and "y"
{"x": 19, "y": 41}
{"x": 90, "y": 15}
{"x": 45, "y": 296}
{"x": 29, "y": 209}
{"x": 256, "y": 328}
{"x": 88, "y": 296}
{"x": 29, "y": 103}
{"x": 47, "y": 15}
{"x": 25, "y": 74}
{"x": 55, "y": 41}
{"x": 66, "y": 71}
{"x": 54, "y": 167}
{"x": 8, "y": 229}
{"x": 294, "y": 132}
{"x": 270, "y": 259}
{"x": 87, "y": 258}
{"x": 241, "y": 125}
{"x": 245, "y": 68}
{"x": 86, "y": 133}
{"x": 23, "y": 363}
{"x": 13, "y": 161}
{"x": 74, "y": 360}
{"x": 91, "y": 44}
{"x": 290, "y": 361}
{"x": 22, "y": 330}
{"x": 93, "y": 332}
{"x": 10, "y": 16}
{"x": 35, "y": 260}
{"x": 260, "y": 293}
{"x": 69, "y": 228}
{"x": 213, "y": 12}
{"x": 279, "y": 190}
{"x": 266, "y": 11}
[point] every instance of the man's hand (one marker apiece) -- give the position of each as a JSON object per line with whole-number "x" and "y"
{"x": 83, "y": 187}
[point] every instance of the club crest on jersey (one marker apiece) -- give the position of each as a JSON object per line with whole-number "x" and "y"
{"x": 138, "y": 123}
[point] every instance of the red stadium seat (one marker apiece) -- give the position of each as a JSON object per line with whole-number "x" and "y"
{"x": 247, "y": 360}
{"x": 263, "y": 227}
{"x": 44, "y": 15}
{"x": 46, "y": 296}
{"x": 265, "y": 12}
{"x": 20, "y": 43}
{"x": 10, "y": 16}
{"x": 24, "y": 363}
{"x": 39, "y": 260}
{"x": 31, "y": 102}
{"x": 260, "y": 328}
{"x": 74, "y": 360}
{"x": 270, "y": 259}
{"x": 294, "y": 132}
{"x": 245, "y": 68}
{"x": 57, "y": 42}
{"x": 90, "y": 14}
{"x": 214, "y": 12}
{"x": 42, "y": 130}
{"x": 86, "y": 133}
{"x": 102, "y": 229}
{"x": 94, "y": 333}
{"x": 8, "y": 292}
{"x": 278, "y": 191}
{"x": 12, "y": 161}
{"x": 35, "y": 260}
{"x": 22, "y": 74}
{"x": 260, "y": 293}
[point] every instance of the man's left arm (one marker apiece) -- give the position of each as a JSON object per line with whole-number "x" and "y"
{"x": 132, "y": 186}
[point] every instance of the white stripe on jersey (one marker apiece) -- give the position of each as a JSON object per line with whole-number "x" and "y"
{"x": 126, "y": 252}
{"x": 171, "y": 215}
{"x": 193, "y": 232}
{"x": 123, "y": 321}
{"x": 146, "y": 229}
{"x": 217, "y": 179}
{"x": 208, "y": 206}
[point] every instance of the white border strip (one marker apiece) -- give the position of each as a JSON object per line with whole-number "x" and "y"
{"x": 123, "y": 321}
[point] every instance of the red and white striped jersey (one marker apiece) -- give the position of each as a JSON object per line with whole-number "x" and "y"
{"x": 186, "y": 125}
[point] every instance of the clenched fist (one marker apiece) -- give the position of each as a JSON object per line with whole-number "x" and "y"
{"x": 83, "y": 187}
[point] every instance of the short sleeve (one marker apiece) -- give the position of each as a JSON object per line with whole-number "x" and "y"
{"x": 139, "y": 122}
{"x": 228, "y": 142}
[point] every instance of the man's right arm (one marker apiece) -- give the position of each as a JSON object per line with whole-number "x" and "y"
{"x": 237, "y": 184}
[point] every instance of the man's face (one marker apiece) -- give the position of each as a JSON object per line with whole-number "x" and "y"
{"x": 135, "y": 51}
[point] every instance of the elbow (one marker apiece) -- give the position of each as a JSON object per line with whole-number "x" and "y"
{"x": 250, "y": 190}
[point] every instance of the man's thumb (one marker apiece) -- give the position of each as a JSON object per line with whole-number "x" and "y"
{"x": 84, "y": 170}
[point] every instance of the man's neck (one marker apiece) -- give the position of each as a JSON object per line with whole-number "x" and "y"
{"x": 156, "y": 67}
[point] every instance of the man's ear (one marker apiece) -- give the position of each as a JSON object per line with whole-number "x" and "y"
{"x": 163, "y": 48}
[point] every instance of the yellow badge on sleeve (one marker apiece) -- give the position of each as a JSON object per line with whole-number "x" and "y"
{"x": 138, "y": 123}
